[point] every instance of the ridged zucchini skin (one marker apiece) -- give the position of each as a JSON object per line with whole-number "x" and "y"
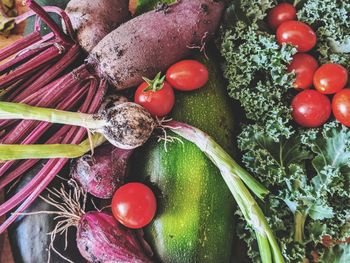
{"x": 195, "y": 221}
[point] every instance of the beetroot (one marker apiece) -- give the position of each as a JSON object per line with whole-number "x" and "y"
{"x": 101, "y": 238}
{"x": 93, "y": 20}
{"x": 151, "y": 42}
{"x": 104, "y": 172}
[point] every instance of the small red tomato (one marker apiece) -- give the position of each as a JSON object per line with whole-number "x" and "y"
{"x": 341, "y": 106}
{"x": 297, "y": 34}
{"x": 311, "y": 108}
{"x": 304, "y": 66}
{"x": 134, "y": 205}
{"x": 157, "y": 96}
{"x": 281, "y": 13}
{"x": 187, "y": 75}
{"x": 330, "y": 78}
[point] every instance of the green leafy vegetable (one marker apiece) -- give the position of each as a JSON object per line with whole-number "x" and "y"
{"x": 307, "y": 171}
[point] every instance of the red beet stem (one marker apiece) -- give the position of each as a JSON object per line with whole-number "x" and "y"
{"x": 19, "y": 45}
{"x": 43, "y": 181}
{"x": 72, "y": 54}
{"x": 19, "y": 89}
{"x": 29, "y": 67}
{"x": 51, "y": 92}
{"x": 48, "y": 21}
{"x": 50, "y": 170}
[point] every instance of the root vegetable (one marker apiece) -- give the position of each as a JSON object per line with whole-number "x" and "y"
{"x": 151, "y": 42}
{"x": 93, "y": 20}
{"x": 100, "y": 238}
{"x": 103, "y": 172}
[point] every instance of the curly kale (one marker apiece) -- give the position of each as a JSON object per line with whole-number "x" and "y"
{"x": 331, "y": 19}
{"x": 307, "y": 171}
{"x": 317, "y": 197}
{"x": 256, "y": 70}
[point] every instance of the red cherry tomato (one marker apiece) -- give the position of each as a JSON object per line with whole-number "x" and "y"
{"x": 134, "y": 205}
{"x": 187, "y": 75}
{"x": 281, "y": 13}
{"x": 297, "y": 34}
{"x": 158, "y": 101}
{"x": 330, "y": 78}
{"x": 341, "y": 106}
{"x": 311, "y": 108}
{"x": 304, "y": 67}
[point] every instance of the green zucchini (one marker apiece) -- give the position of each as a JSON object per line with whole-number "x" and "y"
{"x": 195, "y": 219}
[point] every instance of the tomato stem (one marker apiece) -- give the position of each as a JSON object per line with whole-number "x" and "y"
{"x": 156, "y": 84}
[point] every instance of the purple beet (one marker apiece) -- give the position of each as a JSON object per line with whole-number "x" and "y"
{"x": 101, "y": 238}
{"x": 103, "y": 173}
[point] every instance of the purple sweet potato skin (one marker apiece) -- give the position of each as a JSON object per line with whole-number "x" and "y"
{"x": 94, "y": 19}
{"x": 103, "y": 173}
{"x": 102, "y": 239}
{"x": 150, "y": 43}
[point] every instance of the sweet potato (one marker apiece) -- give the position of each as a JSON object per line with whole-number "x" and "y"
{"x": 93, "y": 20}
{"x": 153, "y": 41}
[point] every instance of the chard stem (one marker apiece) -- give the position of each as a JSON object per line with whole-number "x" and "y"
{"x": 9, "y": 110}
{"x": 49, "y": 151}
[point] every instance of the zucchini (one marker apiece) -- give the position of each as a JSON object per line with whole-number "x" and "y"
{"x": 195, "y": 219}
{"x": 28, "y": 234}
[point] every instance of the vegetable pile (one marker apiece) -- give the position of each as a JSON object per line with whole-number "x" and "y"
{"x": 287, "y": 65}
{"x": 305, "y": 169}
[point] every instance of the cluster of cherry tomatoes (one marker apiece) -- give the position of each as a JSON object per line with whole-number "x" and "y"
{"x": 311, "y": 107}
{"x": 157, "y": 96}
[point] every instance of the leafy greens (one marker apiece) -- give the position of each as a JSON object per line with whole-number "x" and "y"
{"x": 307, "y": 171}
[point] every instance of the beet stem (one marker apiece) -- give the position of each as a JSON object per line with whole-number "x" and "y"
{"x": 52, "y": 73}
{"x": 29, "y": 67}
{"x": 49, "y": 21}
{"x": 40, "y": 185}
{"x": 69, "y": 103}
{"x": 19, "y": 45}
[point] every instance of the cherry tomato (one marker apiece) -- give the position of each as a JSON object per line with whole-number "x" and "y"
{"x": 281, "y": 13}
{"x": 330, "y": 78}
{"x": 341, "y": 106}
{"x": 311, "y": 108}
{"x": 187, "y": 75}
{"x": 156, "y": 96}
{"x": 304, "y": 67}
{"x": 134, "y": 205}
{"x": 297, "y": 34}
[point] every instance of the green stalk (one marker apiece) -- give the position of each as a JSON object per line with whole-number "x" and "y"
{"x": 264, "y": 248}
{"x": 217, "y": 155}
{"x": 47, "y": 151}
{"x": 263, "y": 242}
{"x": 10, "y": 110}
{"x": 228, "y": 169}
{"x": 299, "y": 224}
